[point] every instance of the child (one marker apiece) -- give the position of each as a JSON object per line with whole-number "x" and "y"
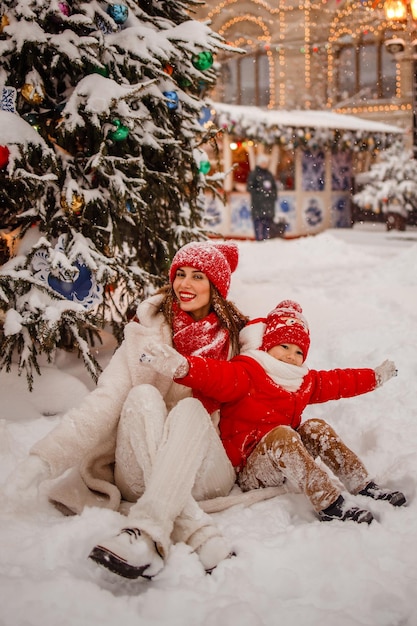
{"x": 263, "y": 393}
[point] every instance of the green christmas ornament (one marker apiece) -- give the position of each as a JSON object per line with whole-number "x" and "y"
{"x": 184, "y": 82}
{"x": 103, "y": 71}
{"x": 121, "y": 133}
{"x": 204, "y": 167}
{"x": 203, "y": 60}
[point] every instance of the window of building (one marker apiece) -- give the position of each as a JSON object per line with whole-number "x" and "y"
{"x": 285, "y": 174}
{"x": 240, "y": 162}
{"x": 347, "y": 73}
{"x": 365, "y": 71}
{"x": 245, "y": 80}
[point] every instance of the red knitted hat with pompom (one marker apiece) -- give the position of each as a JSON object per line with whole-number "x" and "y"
{"x": 216, "y": 259}
{"x": 286, "y": 324}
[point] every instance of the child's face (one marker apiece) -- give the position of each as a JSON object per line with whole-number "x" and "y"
{"x": 288, "y": 353}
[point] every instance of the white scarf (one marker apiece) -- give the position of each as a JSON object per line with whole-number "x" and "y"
{"x": 287, "y": 376}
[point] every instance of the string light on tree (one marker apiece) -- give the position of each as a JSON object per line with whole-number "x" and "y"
{"x": 33, "y": 120}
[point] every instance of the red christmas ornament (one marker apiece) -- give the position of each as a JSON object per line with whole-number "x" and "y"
{"x": 4, "y": 156}
{"x": 64, "y": 8}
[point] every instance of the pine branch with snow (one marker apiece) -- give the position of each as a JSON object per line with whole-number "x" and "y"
{"x": 391, "y": 183}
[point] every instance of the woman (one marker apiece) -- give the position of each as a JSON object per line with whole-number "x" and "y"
{"x": 140, "y": 443}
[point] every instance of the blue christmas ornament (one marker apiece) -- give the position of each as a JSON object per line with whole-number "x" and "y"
{"x": 118, "y": 12}
{"x": 130, "y": 208}
{"x": 78, "y": 285}
{"x": 77, "y": 289}
{"x": 172, "y": 99}
{"x": 205, "y": 115}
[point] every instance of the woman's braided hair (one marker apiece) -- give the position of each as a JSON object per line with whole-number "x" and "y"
{"x": 229, "y": 315}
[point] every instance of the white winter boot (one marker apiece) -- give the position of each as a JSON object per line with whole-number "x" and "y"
{"x": 131, "y": 554}
{"x": 213, "y": 551}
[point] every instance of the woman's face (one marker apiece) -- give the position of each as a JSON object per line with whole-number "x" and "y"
{"x": 192, "y": 289}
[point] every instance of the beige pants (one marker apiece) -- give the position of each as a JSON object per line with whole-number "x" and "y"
{"x": 288, "y": 455}
{"x": 167, "y": 461}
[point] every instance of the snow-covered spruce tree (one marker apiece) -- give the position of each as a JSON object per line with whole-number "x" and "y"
{"x": 101, "y": 174}
{"x": 391, "y": 186}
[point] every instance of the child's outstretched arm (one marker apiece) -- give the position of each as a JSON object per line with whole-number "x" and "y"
{"x": 349, "y": 382}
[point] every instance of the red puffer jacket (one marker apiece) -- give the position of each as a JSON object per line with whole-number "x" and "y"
{"x": 252, "y": 404}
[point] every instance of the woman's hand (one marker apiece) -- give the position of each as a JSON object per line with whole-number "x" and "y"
{"x": 165, "y": 360}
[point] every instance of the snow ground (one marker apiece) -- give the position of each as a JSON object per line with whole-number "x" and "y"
{"x": 358, "y": 289}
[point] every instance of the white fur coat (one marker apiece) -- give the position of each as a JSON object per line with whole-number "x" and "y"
{"x": 85, "y": 439}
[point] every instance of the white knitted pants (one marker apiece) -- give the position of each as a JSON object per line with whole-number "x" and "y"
{"x": 167, "y": 461}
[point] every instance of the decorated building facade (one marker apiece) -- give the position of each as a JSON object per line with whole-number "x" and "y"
{"x": 321, "y": 88}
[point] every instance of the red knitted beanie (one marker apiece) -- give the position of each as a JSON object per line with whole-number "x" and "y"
{"x": 216, "y": 259}
{"x": 286, "y": 324}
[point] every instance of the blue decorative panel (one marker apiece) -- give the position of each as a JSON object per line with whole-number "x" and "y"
{"x": 286, "y": 210}
{"x": 214, "y": 213}
{"x": 341, "y": 171}
{"x": 240, "y": 215}
{"x": 313, "y": 213}
{"x": 313, "y": 168}
{"x": 341, "y": 212}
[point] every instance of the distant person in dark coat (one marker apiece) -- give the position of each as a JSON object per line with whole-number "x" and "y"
{"x": 263, "y": 189}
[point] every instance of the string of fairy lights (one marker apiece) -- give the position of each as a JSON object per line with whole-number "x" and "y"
{"x": 314, "y": 28}
{"x": 265, "y": 39}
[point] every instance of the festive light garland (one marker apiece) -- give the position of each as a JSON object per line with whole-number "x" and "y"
{"x": 308, "y": 138}
{"x": 265, "y": 39}
{"x": 317, "y": 18}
